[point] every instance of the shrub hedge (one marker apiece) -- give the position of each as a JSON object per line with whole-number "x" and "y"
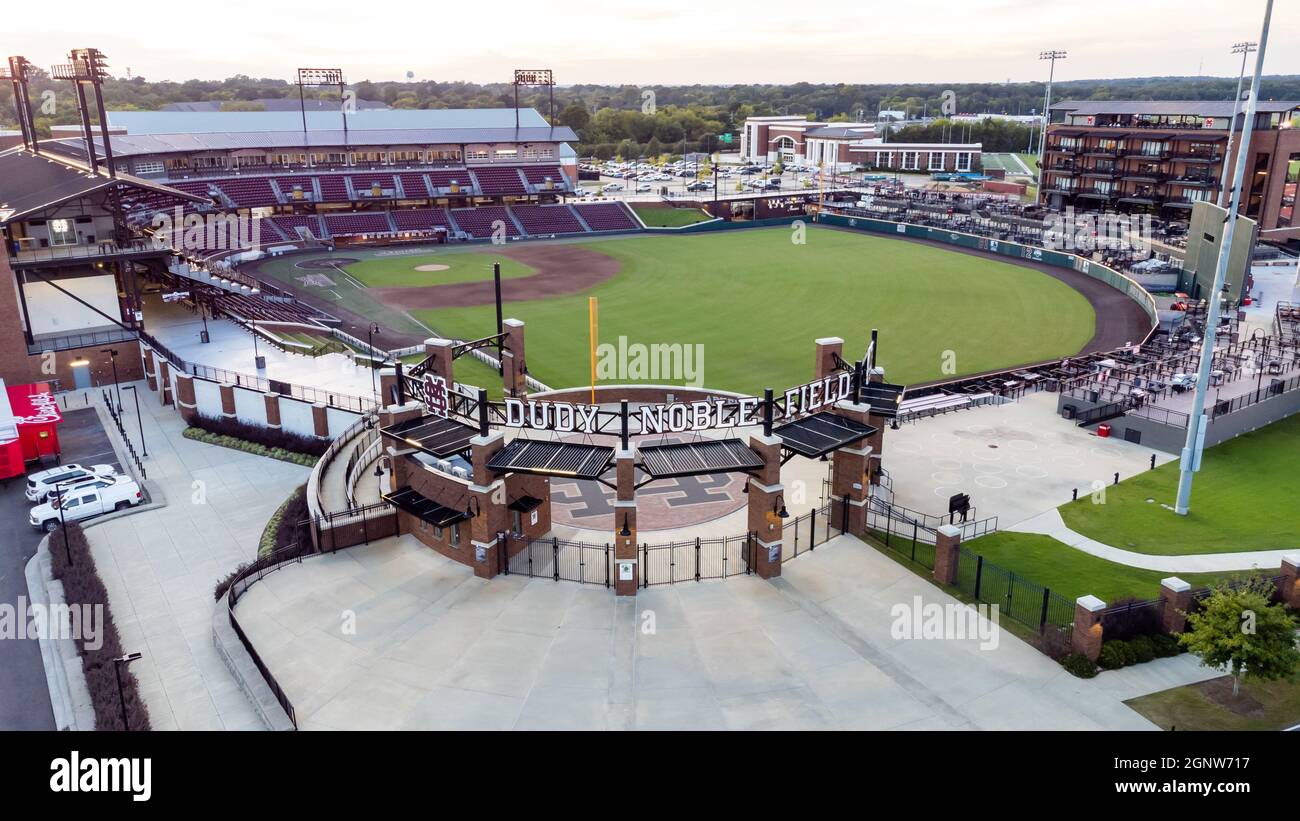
{"x": 270, "y": 438}
{"x": 82, "y": 585}
{"x": 1079, "y": 665}
{"x": 200, "y": 435}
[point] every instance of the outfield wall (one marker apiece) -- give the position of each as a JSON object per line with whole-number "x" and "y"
{"x": 1029, "y": 253}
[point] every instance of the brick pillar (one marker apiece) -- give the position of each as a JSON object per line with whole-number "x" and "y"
{"x": 185, "y": 401}
{"x": 1289, "y": 586}
{"x": 388, "y": 386}
{"x": 164, "y": 382}
{"x": 149, "y": 374}
{"x": 440, "y": 350}
{"x": 1087, "y": 626}
{"x": 827, "y": 349}
{"x": 876, "y": 441}
{"x": 849, "y": 467}
{"x": 627, "y": 575}
{"x": 320, "y": 420}
{"x": 766, "y": 498}
{"x": 397, "y": 414}
{"x": 272, "y": 401}
{"x": 946, "y": 551}
{"x": 1175, "y": 598}
{"x": 493, "y": 519}
{"x": 513, "y": 364}
{"x": 228, "y": 400}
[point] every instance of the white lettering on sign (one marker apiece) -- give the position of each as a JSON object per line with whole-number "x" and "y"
{"x": 46, "y": 410}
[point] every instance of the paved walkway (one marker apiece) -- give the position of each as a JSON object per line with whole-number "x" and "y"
{"x": 393, "y": 636}
{"x": 159, "y": 566}
{"x": 1051, "y": 524}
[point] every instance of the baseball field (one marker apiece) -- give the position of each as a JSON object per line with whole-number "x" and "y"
{"x": 753, "y": 301}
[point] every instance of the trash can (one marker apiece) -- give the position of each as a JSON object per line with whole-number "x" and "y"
{"x": 1103, "y": 431}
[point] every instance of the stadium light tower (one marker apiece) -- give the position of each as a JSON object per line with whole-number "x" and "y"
{"x": 1243, "y": 48}
{"x": 1190, "y": 460}
{"x": 1052, "y": 56}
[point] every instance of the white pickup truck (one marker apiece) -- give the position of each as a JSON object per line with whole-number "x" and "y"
{"x": 85, "y": 500}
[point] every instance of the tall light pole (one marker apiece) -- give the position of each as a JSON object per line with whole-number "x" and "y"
{"x": 112, "y": 359}
{"x": 1190, "y": 460}
{"x": 1243, "y": 48}
{"x": 1051, "y": 56}
{"x": 371, "y": 333}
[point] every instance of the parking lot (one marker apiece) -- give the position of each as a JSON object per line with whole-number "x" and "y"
{"x": 24, "y": 698}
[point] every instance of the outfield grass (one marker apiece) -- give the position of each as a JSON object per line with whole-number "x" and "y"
{"x": 756, "y": 301}
{"x": 399, "y": 271}
{"x": 1243, "y": 498}
{"x": 1073, "y": 573}
{"x": 469, "y": 371}
{"x": 1030, "y": 160}
{"x": 658, "y": 216}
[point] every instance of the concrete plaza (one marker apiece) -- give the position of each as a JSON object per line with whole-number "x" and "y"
{"x": 393, "y": 636}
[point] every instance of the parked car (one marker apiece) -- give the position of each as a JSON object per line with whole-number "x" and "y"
{"x": 1183, "y": 382}
{"x": 613, "y": 186}
{"x": 82, "y": 503}
{"x": 698, "y": 186}
{"x": 39, "y": 484}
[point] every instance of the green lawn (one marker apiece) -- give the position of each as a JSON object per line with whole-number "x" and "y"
{"x": 1030, "y": 160}
{"x": 658, "y": 216}
{"x": 1243, "y": 498}
{"x": 756, "y": 301}
{"x": 1274, "y": 705}
{"x": 1073, "y": 573}
{"x": 399, "y": 271}
{"x": 469, "y": 371}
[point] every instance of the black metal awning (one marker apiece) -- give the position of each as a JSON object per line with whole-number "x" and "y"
{"x": 699, "y": 457}
{"x": 821, "y": 433}
{"x": 424, "y": 508}
{"x": 883, "y": 397}
{"x": 434, "y": 435}
{"x": 525, "y": 503}
{"x": 552, "y": 459}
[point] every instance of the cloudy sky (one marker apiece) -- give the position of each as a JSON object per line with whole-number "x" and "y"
{"x": 596, "y": 41}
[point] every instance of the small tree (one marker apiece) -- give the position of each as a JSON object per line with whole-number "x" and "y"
{"x": 1240, "y": 631}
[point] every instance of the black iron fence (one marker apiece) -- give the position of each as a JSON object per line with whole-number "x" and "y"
{"x": 245, "y": 578}
{"x": 358, "y": 525}
{"x": 110, "y": 403}
{"x": 697, "y": 559}
{"x": 558, "y": 560}
{"x": 1024, "y": 601}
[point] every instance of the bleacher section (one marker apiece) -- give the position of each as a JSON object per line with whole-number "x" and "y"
{"x": 547, "y": 219}
{"x": 414, "y": 186}
{"x": 346, "y": 225}
{"x": 260, "y": 310}
{"x": 495, "y": 182}
{"x": 249, "y": 192}
{"x": 478, "y": 222}
{"x": 421, "y": 219}
{"x": 290, "y": 224}
{"x": 287, "y": 184}
{"x": 607, "y": 216}
{"x": 444, "y": 178}
{"x": 537, "y": 174}
{"x": 334, "y": 188}
{"x": 363, "y": 184}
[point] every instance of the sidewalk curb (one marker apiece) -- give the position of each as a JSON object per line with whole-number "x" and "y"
{"x": 64, "y": 676}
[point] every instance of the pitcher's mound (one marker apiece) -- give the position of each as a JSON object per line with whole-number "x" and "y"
{"x": 432, "y": 267}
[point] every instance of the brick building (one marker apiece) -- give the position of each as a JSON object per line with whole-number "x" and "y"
{"x": 845, "y": 146}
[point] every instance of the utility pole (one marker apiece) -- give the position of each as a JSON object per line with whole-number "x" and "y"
{"x": 1190, "y": 460}
{"x": 1052, "y": 56}
{"x": 1243, "y": 48}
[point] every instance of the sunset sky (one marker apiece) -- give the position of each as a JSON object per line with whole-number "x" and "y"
{"x": 586, "y": 41}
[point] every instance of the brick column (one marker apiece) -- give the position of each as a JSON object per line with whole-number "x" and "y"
{"x": 1175, "y": 598}
{"x": 149, "y": 374}
{"x": 827, "y": 349}
{"x": 1289, "y": 586}
{"x": 946, "y": 552}
{"x": 164, "y": 382}
{"x": 272, "y": 401}
{"x": 440, "y": 350}
{"x": 1087, "y": 626}
{"x": 766, "y": 498}
{"x": 513, "y": 363}
{"x": 849, "y": 467}
{"x": 493, "y": 518}
{"x": 228, "y": 400}
{"x": 388, "y": 386}
{"x": 320, "y": 420}
{"x": 185, "y": 401}
{"x": 627, "y": 575}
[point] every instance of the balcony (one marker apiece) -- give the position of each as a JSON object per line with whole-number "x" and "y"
{"x": 1100, "y": 151}
{"x": 91, "y": 252}
{"x": 1202, "y": 157}
{"x": 71, "y": 342}
{"x": 1195, "y": 181}
{"x": 1153, "y": 177}
{"x": 1101, "y": 173}
{"x": 1063, "y": 170}
{"x": 1097, "y": 193}
{"x": 1064, "y": 149}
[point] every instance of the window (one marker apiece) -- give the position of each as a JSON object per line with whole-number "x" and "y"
{"x": 437, "y": 531}
{"x": 1286, "y": 215}
{"x": 963, "y": 160}
{"x": 62, "y": 232}
{"x": 507, "y": 153}
{"x": 910, "y": 160}
{"x": 476, "y": 154}
{"x": 517, "y": 521}
{"x": 148, "y": 167}
{"x": 884, "y": 159}
{"x": 936, "y": 160}
{"x": 455, "y": 535}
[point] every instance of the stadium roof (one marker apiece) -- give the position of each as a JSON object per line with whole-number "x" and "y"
{"x": 272, "y": 104}
{"x": 216, "y": 122}
{"x": 1199, "y": 108}
{"x": 129, "y": 145}
{"x": 840, "y": 131}
{"x": 30, "y": 183}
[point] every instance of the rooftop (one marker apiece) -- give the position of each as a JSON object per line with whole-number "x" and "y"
{"x": 1199, "y": 108}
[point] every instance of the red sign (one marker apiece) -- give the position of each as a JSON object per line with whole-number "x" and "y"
{"x": 34, "y": 405}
